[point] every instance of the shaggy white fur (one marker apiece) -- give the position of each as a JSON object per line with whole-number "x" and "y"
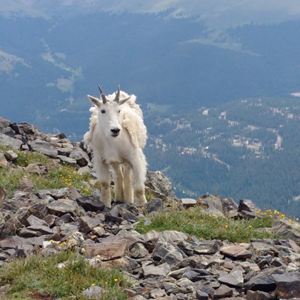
{"x": 116, "y": 137}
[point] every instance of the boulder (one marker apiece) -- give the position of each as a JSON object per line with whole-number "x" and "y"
{"x": 158, "y": 182}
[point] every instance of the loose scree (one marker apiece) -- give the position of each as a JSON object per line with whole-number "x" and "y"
{"x": 116, "y": 138}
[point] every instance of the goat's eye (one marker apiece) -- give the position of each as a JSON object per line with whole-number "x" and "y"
{"x": 103, "y": 111}
{"x": 119, "y": 111}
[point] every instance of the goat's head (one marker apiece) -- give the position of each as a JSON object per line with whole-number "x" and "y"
{"x": 109, "y": 109}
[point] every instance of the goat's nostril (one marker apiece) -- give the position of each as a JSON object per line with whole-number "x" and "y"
{"x": 115, "y": 131}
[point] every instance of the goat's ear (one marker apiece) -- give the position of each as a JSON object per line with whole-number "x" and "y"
{"x": 122, "y": 101}
{"x": 95, "y": 100}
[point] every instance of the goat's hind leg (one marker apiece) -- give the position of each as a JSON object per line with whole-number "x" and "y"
{"x": 139, "y": 168}
{"x": 102, "y": 170}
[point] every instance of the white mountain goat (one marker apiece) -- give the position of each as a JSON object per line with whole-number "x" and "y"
{"x": 117, "y": 136}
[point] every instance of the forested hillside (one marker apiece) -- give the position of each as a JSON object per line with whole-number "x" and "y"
{"x": 48, "y": 66}
{"x": 248, "y": 148}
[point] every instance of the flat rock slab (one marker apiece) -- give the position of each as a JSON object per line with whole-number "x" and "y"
{"x": 44, "y": 147}
{"x": 188, "y": 202}
{"x": 62, "y": 206}
{"x": 33, "y": 220}
{"x": 235, "y": 278}
{"x": 40, "y": 228}
{"x": 263, "y": 281}
{"x": 14, "y": 242}
{"x": 238, "y": 252}
{"x": 107, "y": 250}
{"x": 154, "y": 271}
{"x": 6, "y": 140}
{"x": 90, "y": 203}
{"x": 222, "y": 292}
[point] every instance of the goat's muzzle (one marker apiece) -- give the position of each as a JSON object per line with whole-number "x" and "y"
{"x": 115, "y": 132}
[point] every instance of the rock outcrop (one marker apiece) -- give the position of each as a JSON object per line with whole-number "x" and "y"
{"x": 161, "y": 265}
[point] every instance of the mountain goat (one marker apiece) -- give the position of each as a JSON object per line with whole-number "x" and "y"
{"x": 116, "y": 137}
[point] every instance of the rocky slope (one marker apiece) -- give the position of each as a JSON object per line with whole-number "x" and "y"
{"x": 161, "y": 265}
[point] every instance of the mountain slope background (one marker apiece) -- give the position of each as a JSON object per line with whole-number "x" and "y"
{"x": 180, "y": 60}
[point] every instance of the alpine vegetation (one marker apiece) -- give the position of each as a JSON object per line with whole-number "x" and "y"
{"x": 116, "y": 138}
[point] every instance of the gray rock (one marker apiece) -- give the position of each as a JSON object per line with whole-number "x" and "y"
{"x": 80, "y": 156}
{"x": 84, "y": 170}
{"x": 90, "y": 203}
{"x": 166, "y": 252}
{"x": 188, "y": 202}
{"x": 171, "y": 236}
{"x": 33, "y": 220}
{"x": 248, "y": 208}
{"x": 65, "y": 150}
{"x": 26, "y": 233}
{"x": 138, "y": 251}
{"x": 222, "y": 292}
{"x": 285, "y": 229}
{"x": 155, "y": 205}
{"x": 259, "y": 295}
{"x": 62, "y": 206}
{"x": 37, "y": 168}
{"x": 15, "y": 242}
{"x": 158, "y": 293}
{"x": 229, "y": 205}
{"x": 10, "y": 155}
{"x": 26, "y": 185}
{"x": 158, "y": 182}
{"x": 288, "y": 285}
{"x": 39, "y": 210}
{"x": 6, "y": 140}
{"x": 126, "y": 214}
{"x": 154, "y": 271}
{"x": 262, "y": 249}
{"x": 68, "y": 192}
{"x": 201, "y": 295}
{"x": 99, "y": 231}
{"x": 234, "y": 279}
{"x": 263, "y": 281}
{"x": 66, "y": 159}
{"x": 86, "y": 223}
{"x": 40, "y": 228}
{"x": 207, "y": 247}
{"x": 66, "y": 218}
{"x": 235, "y": 251}
{"x": 93, "y": 292}
{"x": 44, "y": 147}
{"x": 107, "y": 250}
{"x": 212, "y": 202}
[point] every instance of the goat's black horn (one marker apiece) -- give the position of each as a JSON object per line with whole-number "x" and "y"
{"x": 117, "y": 98}
{"x": 102, "y": 95}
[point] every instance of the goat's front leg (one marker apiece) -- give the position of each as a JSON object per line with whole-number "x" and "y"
{"x": 119, "y": 182}
{"x": 128, "y": 190}
{"x": 102, "y": 170}
{"x": 139, "y": 169}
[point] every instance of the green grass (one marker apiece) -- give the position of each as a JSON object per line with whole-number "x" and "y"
{"x": 208, "y": 227}
{"x": 58, "y": 175}
{"x": 40, "y": 277}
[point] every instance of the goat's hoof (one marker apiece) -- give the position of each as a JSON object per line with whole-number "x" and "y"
{"x": 141, "y": 202}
